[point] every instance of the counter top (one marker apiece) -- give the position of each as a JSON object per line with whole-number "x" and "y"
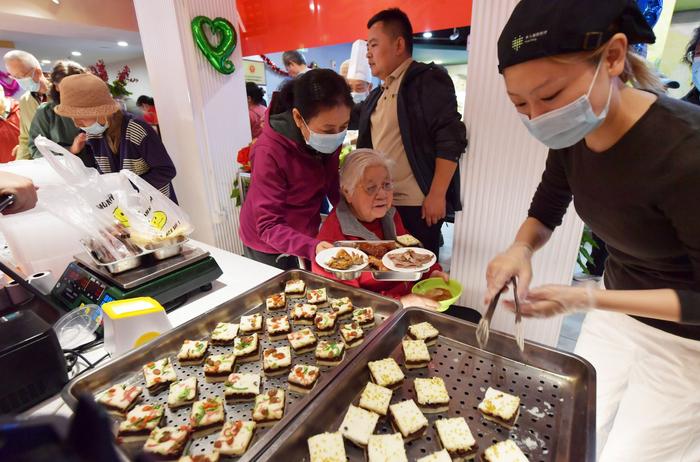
{"x": 239, "y": 275}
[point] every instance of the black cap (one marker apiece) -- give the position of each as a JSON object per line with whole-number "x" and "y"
{"x": 540, "y": 28}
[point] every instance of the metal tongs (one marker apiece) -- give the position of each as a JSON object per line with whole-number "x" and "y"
{"x": 482, "y": 331}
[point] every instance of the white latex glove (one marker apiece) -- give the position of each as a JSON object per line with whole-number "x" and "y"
{"x": 551, "y": 300}
{"x": 419, "y": 301}
{"x": 514, "y": 262}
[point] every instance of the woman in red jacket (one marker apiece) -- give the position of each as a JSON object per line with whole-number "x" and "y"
{"x": 365, "y": 212}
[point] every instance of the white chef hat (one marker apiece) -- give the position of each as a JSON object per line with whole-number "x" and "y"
{"x": 359, "y": 66}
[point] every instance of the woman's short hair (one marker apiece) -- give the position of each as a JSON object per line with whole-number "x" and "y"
{"x": 314, "y": 91}
{"x": 62, "y": 69}
{"x": 355, "y": 165}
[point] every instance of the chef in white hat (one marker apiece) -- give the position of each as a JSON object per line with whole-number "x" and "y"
{"x": 359, "y": 75}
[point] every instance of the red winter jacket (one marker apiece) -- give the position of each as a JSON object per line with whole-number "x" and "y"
{"x": 9, "y": 133}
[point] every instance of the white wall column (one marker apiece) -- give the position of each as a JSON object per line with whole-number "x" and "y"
{"x": 203, "y": 114}
{"x": 499, "y": 175}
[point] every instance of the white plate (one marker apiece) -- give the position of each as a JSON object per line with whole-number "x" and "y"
{"x": 390, "y": 264}
{"x": 324, "y": 256}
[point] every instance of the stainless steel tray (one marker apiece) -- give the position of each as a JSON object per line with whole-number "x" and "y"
{"x": 398, "y": 276}
{"x": 127, "y": 368}
{"x": 557, "y": 392}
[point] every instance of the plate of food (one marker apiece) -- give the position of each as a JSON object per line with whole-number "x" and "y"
{"x": 409, "y": 260}
{"x": 342, "y": 260}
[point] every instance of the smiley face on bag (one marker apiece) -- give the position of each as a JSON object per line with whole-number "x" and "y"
{"x": 159, "y": 219}
{"x": 121, "y": 217}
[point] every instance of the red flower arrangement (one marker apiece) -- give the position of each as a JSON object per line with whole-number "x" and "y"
{"x": 118, "y": 86}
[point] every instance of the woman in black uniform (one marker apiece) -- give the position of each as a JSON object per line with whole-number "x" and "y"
{"x": 629, "y": 160}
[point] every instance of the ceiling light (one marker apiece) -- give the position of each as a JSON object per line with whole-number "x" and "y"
{"x": 76, "y": 53}
{"x": 455, "y": 34}
{"x": 437, "y": 61}
{"x": 427, "y": 34}
{"x": 45, "y": 61}
{"x": 57, "y": 2}
{"x": 122, "y": 43}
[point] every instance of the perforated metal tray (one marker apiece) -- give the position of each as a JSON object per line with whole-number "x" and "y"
{"x": 556, "y": 389}
{"x": 127, "y": 368}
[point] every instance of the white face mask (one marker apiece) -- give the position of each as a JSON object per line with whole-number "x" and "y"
{"x": 95, "y": 129}
{"x": 326, "y": 143}
{"x": 566, "y": 126}
{"x": 358, "y": 97}
{"x": 28, "y": 84}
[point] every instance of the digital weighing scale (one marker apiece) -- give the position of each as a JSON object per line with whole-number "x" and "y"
{"x": 168, "y": 281}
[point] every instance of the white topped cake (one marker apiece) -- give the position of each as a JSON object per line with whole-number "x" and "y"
{"x": 352, "y": 334}
{"x": 159, "y": 375}
{"x": 251, "y": 323}
{"x": 167, "y": 443}
{"x": 192, "y": 352}
{"x": 140, "y": 421}
{"x": 423, "y": 331}
{"x": 182, "y": 393}
{"x": 456, "y": 437}
{"x": 302, "y": 378}
{"x": 358, "y": 425}
{"x": 364, "y": 316}
{"x": 302, "y": 341}
{"x": 440, "y": 456}
{"x": 207, "y": 416}
{"x": 500, "y": 407}
{"x": 408, "y": 419}
{"x": 276, "y": 302}
{"x": 325, "y": 323}
{"x": 276, "y": 361}
{"x": 386, "y": 372}
{"x": 329, "y": 352}
{"x": 235, "y": 438}
{"x": 269, "y": 407}
{"x": 375, "y": 398}
{"x": 303, "y": 314}
{"x": 240, "y": 387}
{"x": 224, "y": 333}
{"x": 118, "y": 399}
{"x": 327, "y": 447}
{"x": 295, "y": 288}
{"x": 218, "y": 367}
{"x": 504, "y": 451}
{"x": 431, "y": 395}
{"x": 246, "y": 348}
{"x": 415, "y": 353}
{"x": 342, "y": 307}
{"x": 316, "y": 296}
{"x": 386, "y": 448}
{"x": 277, "y": 327}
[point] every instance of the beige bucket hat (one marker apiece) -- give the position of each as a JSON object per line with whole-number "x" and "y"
{"x": 84, "y": 96}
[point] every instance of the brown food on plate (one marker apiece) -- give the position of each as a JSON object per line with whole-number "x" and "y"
{"x": 344, "y": 260}
{"x": 410, "y": 259}
{"x": 376, "y": 264}
{"x": 377, "y": 250}
{"x": 438, "y": 294}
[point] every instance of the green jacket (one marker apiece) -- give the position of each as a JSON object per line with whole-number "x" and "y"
{"x": 59, "y": 129}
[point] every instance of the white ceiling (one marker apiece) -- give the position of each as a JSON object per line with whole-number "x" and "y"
{"x": 54, "y": 48}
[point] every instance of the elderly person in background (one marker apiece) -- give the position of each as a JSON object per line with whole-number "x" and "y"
{"x": 294, "y": 63}
{"x": 117, "y": 140}
{"x": 59, "y": 129}
{"x": 365, "y": 212}
{"x": 25, "y": 68}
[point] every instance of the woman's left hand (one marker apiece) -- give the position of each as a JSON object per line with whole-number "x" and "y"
{"x": 440, "y": 274}
{"x": 419, "y": 301}
{"x": 551, "y": 300}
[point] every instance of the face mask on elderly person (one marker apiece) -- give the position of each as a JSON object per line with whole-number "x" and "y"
{"x": 373, "y": 194}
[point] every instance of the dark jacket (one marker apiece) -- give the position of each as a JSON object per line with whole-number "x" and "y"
{"x": 692, "y": 97}
{"x": 281, "y": 212}
{"x": 140, "y": 150}
{"x": 429, "y": 122}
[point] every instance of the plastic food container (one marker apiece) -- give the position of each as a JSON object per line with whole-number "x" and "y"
{"x": 453, "y": 286}
{"x": 78, "y": 326}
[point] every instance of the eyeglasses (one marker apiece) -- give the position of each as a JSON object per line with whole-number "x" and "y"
{"x": 373, "y": 189}
{"x": 692, "y": 54}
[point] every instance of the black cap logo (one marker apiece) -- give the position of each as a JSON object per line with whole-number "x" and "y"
{"x": 517, "y": 42}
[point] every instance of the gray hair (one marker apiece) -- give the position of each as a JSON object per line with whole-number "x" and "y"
{"x": 27, "y": 59}
{"x": 355, "y": 165}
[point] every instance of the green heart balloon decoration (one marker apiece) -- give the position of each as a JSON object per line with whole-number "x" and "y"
{"x": 216, "y": 55}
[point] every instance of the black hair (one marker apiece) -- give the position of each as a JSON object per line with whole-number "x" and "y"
{"x": 312, "y": 92}
{"x": 143, "y": 99}
{"x": 62, "y": 69}
{"x": 397, "y": 21}
{"x": 293, "y": 56}
{"x": 690, "y": 49}
{"x": 255, "y": 92}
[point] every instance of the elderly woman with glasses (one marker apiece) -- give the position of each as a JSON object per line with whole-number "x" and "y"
{"x": 365, "y": 212}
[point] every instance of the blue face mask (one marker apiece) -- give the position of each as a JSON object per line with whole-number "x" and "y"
{"x": 696, "y": 72}
{"x": 569, "y": 124}
{"x": 358, "y": 97}
{"x": 324, "y": 143}
{"x": 28, "y": 84}
{"x": 95, "y": 129}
